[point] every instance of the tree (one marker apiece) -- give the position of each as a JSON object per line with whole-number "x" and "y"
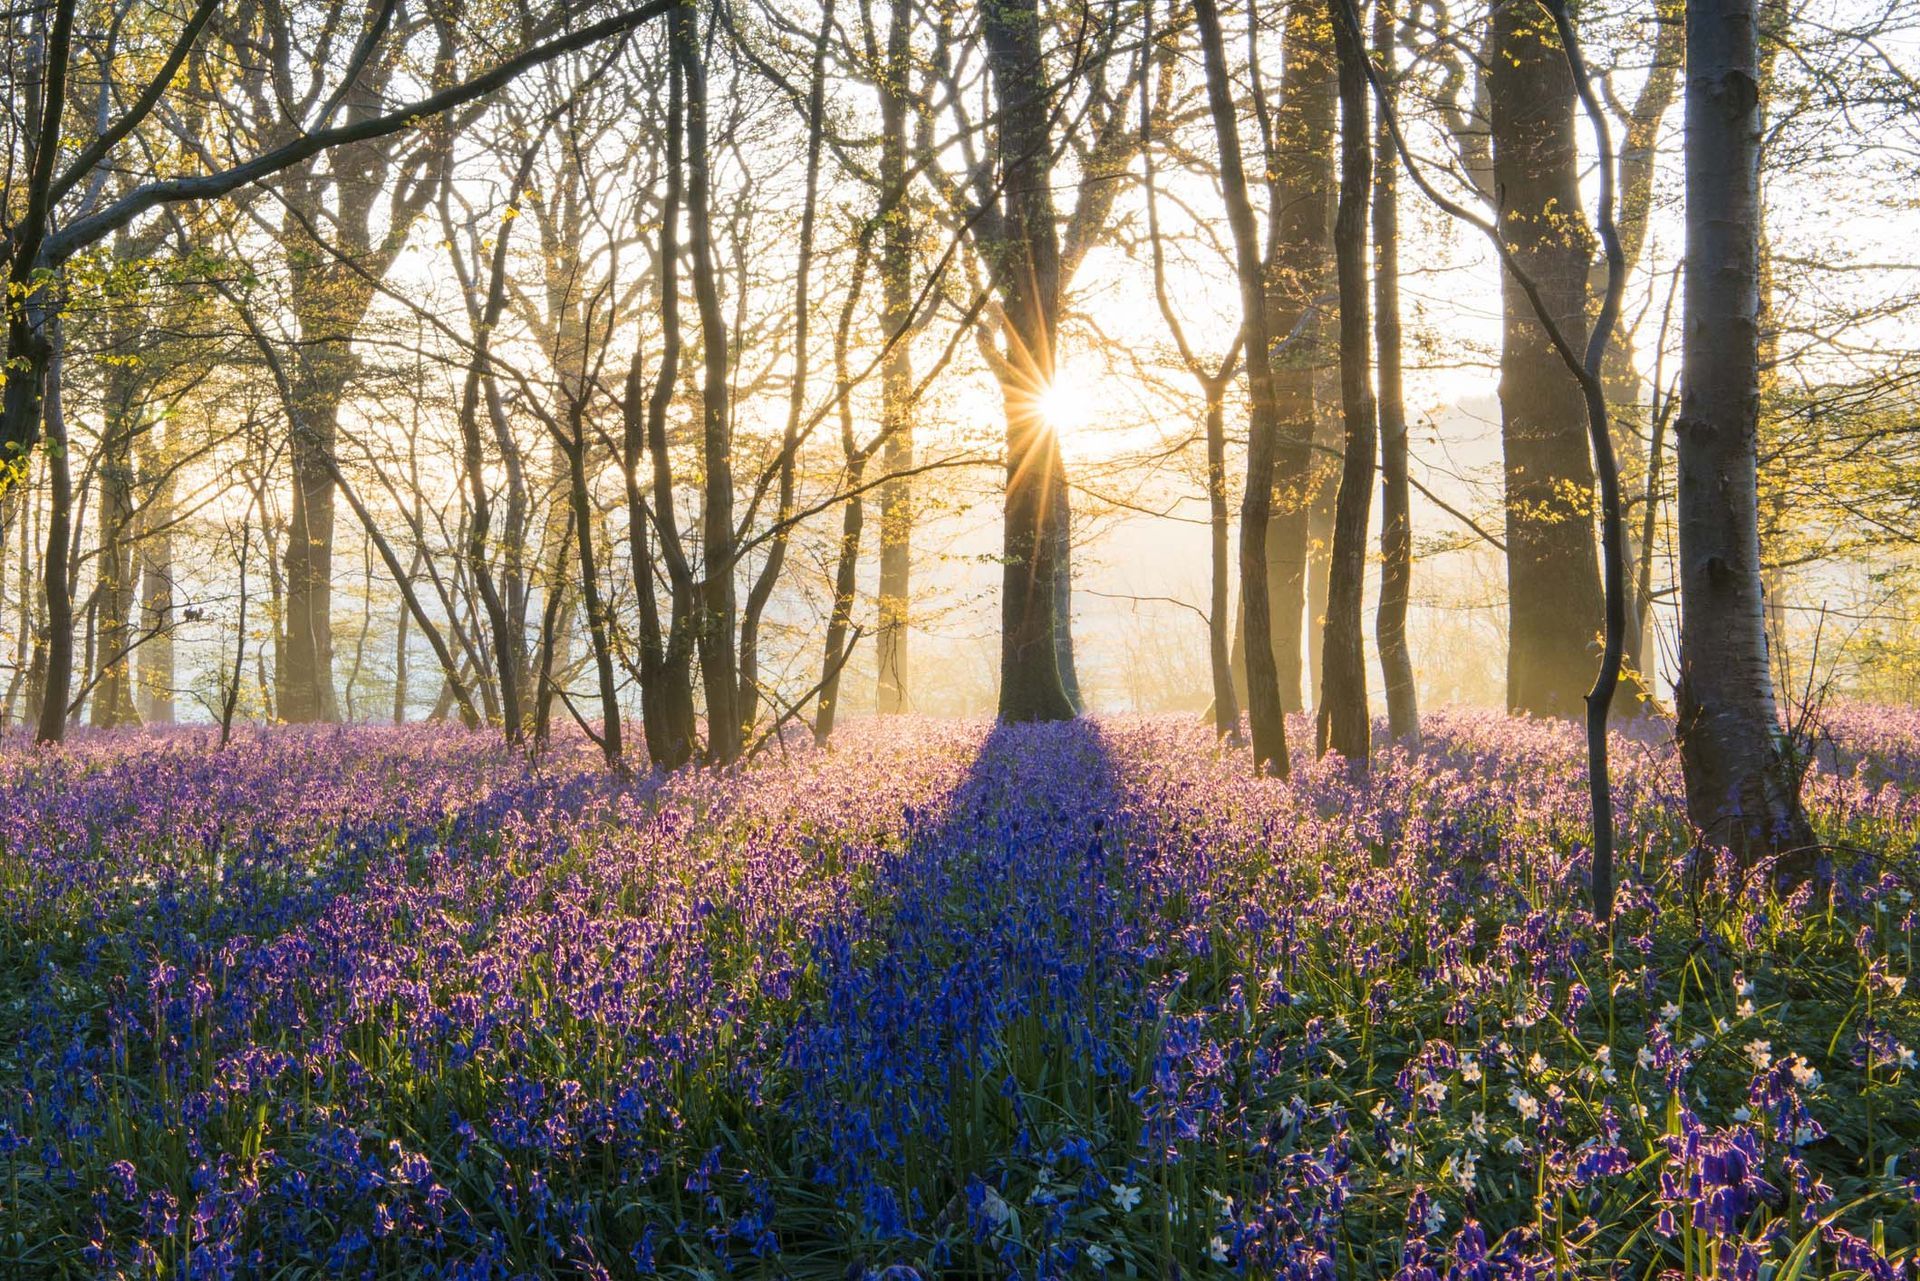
{"x": 1741, "y": 780}
{"x": 1344, "y": 724}
{"x": 1554, "y": 604}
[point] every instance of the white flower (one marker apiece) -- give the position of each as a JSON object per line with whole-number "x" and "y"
{"x": 1699, "y": 1040}
{"x": 1435, "y": 1091}
{"x": 1217, "y": 1249}
{"x": 1477, "y": 1131}
{"x": 1513, "y": 1146}
{"x": 1761, "y": 1052}
{"x": 1743, "y": 1114}
{"x": 1525, "y": 1104}
{"x": 1536, "y": 1064}
{"x": 1745, "y": 1009}
{"x": 1397, "y": 1151}
{"x": 1805, "y": 1074}
{"x": 994, "y": 1206}
{"x": 1470, "y": 1069}
{"x": 1099, "y": 1255}
{"x": 1436, "y": 1217}
{"x": 1669, "y": 1012}
{"x": 1644, "y": 1058}
{"x": 1904, "y": 1056}
{"x": 1045, "y": 1175}
{"x": 1465, "y": 1170}
{"x": 1743, "y": 985}
{"x": 1126, "y": 1196}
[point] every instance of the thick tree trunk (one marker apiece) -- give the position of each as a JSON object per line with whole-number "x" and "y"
{"x": 1396, "y": 524}
{"x": 1742, "y": 788}
{"x": 1345, "y": 725}
{"x": 1553, "y": 574}
{"x": 1027, "y": 271}
{"x": 155, "y": 660}
{"x": 1266, "y": 711}
{"x": 1300, "y": 167}
{"x": 306, "y": 674}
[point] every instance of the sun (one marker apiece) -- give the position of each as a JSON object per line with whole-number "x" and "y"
{"x": 1065, "y": 406}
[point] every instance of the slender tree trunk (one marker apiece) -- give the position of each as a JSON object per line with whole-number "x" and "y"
{"x": 896, "y": 374}
{"x": 1553, "y": 580}
{"x": 1396, "y": 522}
{"x": 1226, "y": 708}
{"x": 53, "y": 572}
{"x": 1344, "y": 723}
{"x": 113, "y": 671}
{"x": 156, "y": 656}
{"x": 1266, "y": 713}
{"x": 1027, "y": 270}
{"x": 845, "y": 585}
{"x": 1741, "y": 782}
{"x": 719, "y": 667}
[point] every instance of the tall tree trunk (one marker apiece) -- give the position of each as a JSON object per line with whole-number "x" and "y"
{"x": 1742, "y": 788}
{"x": 896, "y": 374}
{"x": 719, "y": 668}
{"x": 113, "y": 671}
{"x": 1344, "y": 723}
{"x": 1299, "y": 160}
{"x": 1027, "y": 270}
{"x": 156, "y": 656}
{"x": 1553, "y": 576}
{"x": 1226, "y": 708}
{"x": 1266, "y": 712}
{"x": 1396, "y": 522}
{"x": 306, "y": 676}
{"x": 54, "y": 570}
{"x": 666, "y": 673}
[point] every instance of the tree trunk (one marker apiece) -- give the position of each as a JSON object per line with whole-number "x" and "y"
{"x": 1344, "y": 723}
{"x": 1226, "y": 708}
{"x": 156, "y": 656}
{"x": 1396, "y": 523}
{"x": 896, "y": 374}
{"x": 1553, "y": 576}
{"x": 1266, "y": 712}
{"x": 113, "y": 671}
{"x": 53, "y": 571}
{"x": 1741, "y": 782}
{"x": 306, "y": 676}
{"x": 1027, "y": 271}
{"x": 1299, "y": 162}
{"x": 719, "y": 669}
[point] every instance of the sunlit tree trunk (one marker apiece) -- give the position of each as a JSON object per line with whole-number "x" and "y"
{"x": 112, "y": 702}
{"x": 1742, "y": 788}
{"x": 1344, "y": 723}
{"x": 1396, "y": 524}
{"x": 896, "y": 374}
{"x": 1266, "y": 712}
{"x": 1028, "y": 274}
{"x": 719, "y": 667}
{"x": 1300, "y": 167}
{"x": 1554, "y": 605}
{"x": 54, "y": 569}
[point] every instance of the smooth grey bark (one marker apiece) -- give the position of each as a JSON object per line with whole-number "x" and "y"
{"x": 1741, "y": 781}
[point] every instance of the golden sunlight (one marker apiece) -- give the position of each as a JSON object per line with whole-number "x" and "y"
{"x": 1065, "y": 405}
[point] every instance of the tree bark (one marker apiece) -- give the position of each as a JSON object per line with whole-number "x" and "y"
{"x": 1554, "y": 604}
{"x": 53, "y": 570}
{"x": 1027, "y": 270}
{"x": 1300, "y": 166}
{"x": 1266, "y": 712}
{"x": 1396, "y": 523}
{"x": 1742, "y": 786}
{"x": 896, "y": 375}
{"x": 719, "y": 667}
{"x": 1344, "y": 723}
